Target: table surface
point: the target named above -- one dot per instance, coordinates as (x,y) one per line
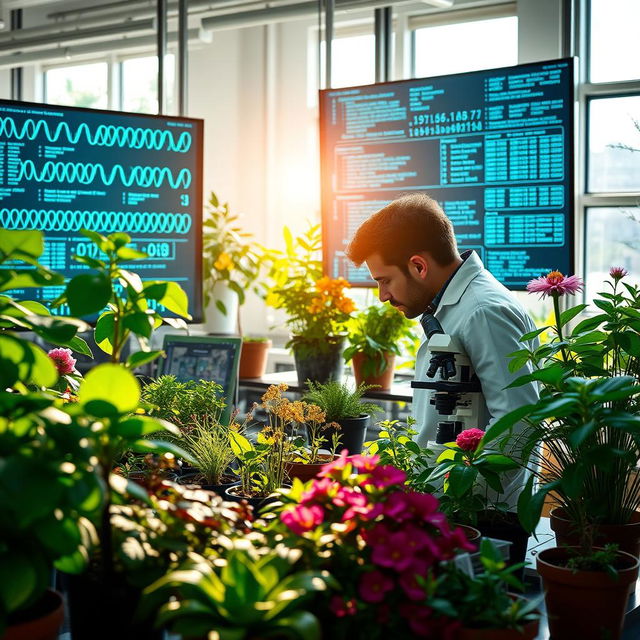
(400,391)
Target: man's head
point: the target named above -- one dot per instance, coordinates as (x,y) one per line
(410,250)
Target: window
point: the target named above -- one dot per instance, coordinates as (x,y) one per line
(352,60)
(139,84)
(610,100)
(84,85)
(465,46)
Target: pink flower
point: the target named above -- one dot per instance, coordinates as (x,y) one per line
(378,536)
(409,582)
(394,555)
(617,273)
(405,505)
(385,476)
(342,607)
(469,439)
(319,490)
(301,518)
(555,284)
(63,360)
(373,586)
(334,469)
(364,464)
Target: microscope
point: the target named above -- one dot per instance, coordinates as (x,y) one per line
(457,390)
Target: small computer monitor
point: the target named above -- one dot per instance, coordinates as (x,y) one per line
(213,358)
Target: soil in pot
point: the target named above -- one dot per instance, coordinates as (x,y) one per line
(42,621)
(529,632)
(353,432)
(626,536)
(589,605)
(259,503)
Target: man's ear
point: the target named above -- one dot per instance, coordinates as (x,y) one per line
(418,266)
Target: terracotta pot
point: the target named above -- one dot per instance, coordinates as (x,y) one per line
(305,471)
(353,432)
(626,536)
(589,605)
(253,358)
(384,380)
(40,622)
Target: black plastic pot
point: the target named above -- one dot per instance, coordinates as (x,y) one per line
(219,489)
(322,365)
(352,433)
(258,503)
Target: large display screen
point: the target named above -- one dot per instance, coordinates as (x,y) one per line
(494,148)
(63,169)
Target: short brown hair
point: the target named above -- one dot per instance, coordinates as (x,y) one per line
(409,225)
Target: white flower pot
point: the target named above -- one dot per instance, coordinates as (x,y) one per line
(214,320)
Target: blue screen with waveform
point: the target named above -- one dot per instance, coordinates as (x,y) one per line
(494,148)
(63,169)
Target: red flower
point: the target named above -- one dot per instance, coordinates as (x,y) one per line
(617,273)
(469,439)
(555,284)
(63,360)
(373,586)
(409,582)
(302,518)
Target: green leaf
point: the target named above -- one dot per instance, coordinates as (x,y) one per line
(239,444)
(24,361)
(139,323)
(129,253)
(221,307)
(461,479)
(533,334)
(103,334)
(503,424)
(21,243)
(79,345)
(588,324)
(18,579)
(111,383)
(138,426)
(530,505)
(570,314)
(88,293)
(170,295)
(105,245)
(162,446)
(139,358)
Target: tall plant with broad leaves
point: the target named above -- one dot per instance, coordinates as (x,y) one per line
(110,394)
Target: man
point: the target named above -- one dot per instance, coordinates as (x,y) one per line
(411,252)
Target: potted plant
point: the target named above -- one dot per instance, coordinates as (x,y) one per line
(378,540)
(316,306)
(344,406)
(231,262)
(468,473)
(249,593)
(374,336)
(253,357)
(481,602)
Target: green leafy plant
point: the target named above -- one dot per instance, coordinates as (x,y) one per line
(374,332)
(395,446)
(482,601)
(131,304)
(471,473)
(316,306)
(249,593)
(229,254)
(186,404)
(339,401)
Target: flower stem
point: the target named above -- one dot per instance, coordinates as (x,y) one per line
(556,309)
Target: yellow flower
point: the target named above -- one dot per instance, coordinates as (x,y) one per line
(223,262)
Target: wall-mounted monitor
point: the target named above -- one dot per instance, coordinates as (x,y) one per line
(494,148)
(63,169)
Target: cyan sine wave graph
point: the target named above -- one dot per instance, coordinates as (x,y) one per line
(87,172)
(106,221)
(104,136)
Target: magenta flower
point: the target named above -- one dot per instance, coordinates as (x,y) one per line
(334,469)
(419,619)
(405,505)
(617,273)
(395,555)
(373,586)
(385,476)
(301,519)
(378,536)
(409,582)
(555,284)
(63,360)
(364,464)
(342,607)
(469,439)
(319,490)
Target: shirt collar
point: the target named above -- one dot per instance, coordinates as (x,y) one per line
(433,306)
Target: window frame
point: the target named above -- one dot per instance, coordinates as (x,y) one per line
(587,91)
